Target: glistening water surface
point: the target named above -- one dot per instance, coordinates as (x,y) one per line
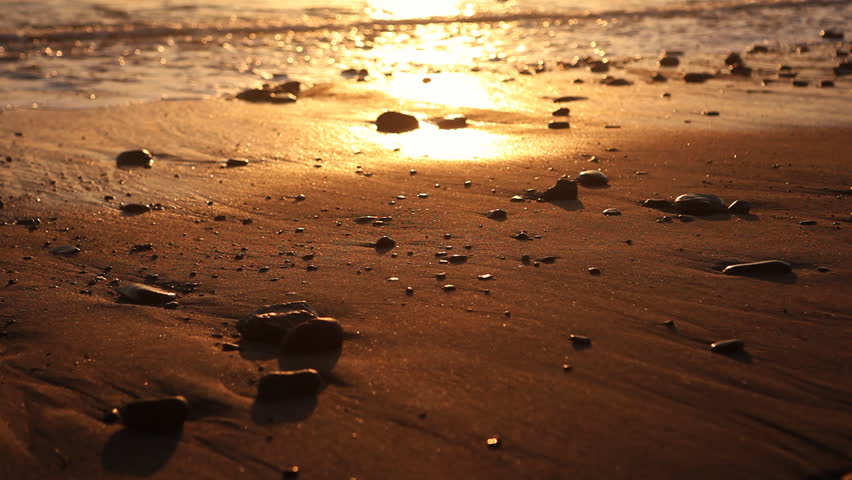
(77,53)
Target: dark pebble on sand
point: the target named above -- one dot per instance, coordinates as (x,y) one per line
(594,271)
(808,222)
(658,203)
(522,236)
(610,212)
(272,323)
(733,59)
(826,84)
(65,250)
(710,113)
(145,294)
(564,189)
(739,207)
(697,77)
(449,287)
(395,122)
(561,112)
(580,340)
(385,243)
(698,204)
(266,95)
(497,214)
(135,158)
(317,335)
(494,442)
(800,83)
(758,268)
(568,99)
(289,384)
(452,122)
(558,125)
(135,208)
(142,247)
(155,416)
(727,346)
(457,259)
(659,78)
(668,60)
(831,35)
(740,70)
(758,49)
(236,162)
(592,178)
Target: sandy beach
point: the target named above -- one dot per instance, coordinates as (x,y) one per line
(427,374)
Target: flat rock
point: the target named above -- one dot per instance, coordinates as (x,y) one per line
(561,112)
(272,323)
(155,416)
(592,178)
(727,346)
(452,122)
(321,334)
(564,189)
(568,99)
(697,77)
(739,207)
(65,250)
(699,204)
(266,95)
(759,268)
(385,243)
(497,214)
(289,384)
(145,294)
(236,162)
(558,125)
(658,203)
(135,208)
(135,158)
(612,212)
(395,122)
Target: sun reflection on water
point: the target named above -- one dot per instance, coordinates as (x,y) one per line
(403,9)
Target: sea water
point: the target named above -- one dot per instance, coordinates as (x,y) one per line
(77,53)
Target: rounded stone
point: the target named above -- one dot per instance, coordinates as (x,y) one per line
(321,334)
(395,122)
(155,416)
(739,207)
(271,323)
(289,384)
(699,204)
(135,158)
(592,178)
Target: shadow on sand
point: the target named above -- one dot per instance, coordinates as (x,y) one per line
(138,453)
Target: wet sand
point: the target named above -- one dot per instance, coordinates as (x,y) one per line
(424,380)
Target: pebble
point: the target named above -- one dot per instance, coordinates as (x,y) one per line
(612,212)
(561,112)
(831,35)
(494,442)
(758,268)
(135,208)
(289,384)
(497,214)
(568,99)
(457,259)
(65,250)
(322,334)
(548,260)
(485,276)
(272,323)
(594,271)
(385,243)
(395,122)
(155,416)
(517,198)
(521,236)
(710,113)
(733,59)
(558,125)
(580,340)
(698,204)
(697,77)
(145,294)
(727,346)
(449,287)
(668,60)
(826,84)
(266,95)
(135,158)
(658,203)
(659,78)
(452,122)
(236,162)
(564,189)
(739,207)
(592,178)
(230,347)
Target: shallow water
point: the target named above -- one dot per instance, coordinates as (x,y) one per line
(63,53)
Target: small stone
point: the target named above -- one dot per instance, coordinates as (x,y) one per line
(592,178)
(517,198)
(497,214)
(266,95)
(272,323)
(135,158)
(236,162)
(494,442)
(155,416)
(468,184)
(385,243)
(145,294)
(395,122)
(697,77)
(758,49)
(523,236)
(291,472)
(733,59)
(568,99)
(441,276)
(322,334)
(457,259)
(449,287)
(727,346)
(485,276)
(831,35)
(409,291)
(699,204)
(710,113)
(740,70)
(548,260)
(230,347)
(739,207)
(566,367)
(283,385)
(558,125)
(659,78)
(142,247)
(759,268)
(657,203)
(561,112)
(612,212)
(668,60)
(826,84)
(580,340)
(135,208)
(594,271)
(452,122)
(66,250)
(823,269)
(565,189)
